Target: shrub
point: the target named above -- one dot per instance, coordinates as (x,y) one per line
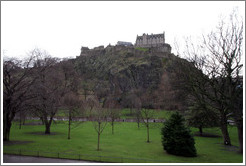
(176,137)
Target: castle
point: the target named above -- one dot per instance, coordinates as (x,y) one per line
(155,42)
(152,40)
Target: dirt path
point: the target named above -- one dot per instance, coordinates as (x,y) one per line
(29,159)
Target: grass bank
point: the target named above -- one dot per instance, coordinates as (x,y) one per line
(127,144)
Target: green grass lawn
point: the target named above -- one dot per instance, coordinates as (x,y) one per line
(158,114)
(128,144)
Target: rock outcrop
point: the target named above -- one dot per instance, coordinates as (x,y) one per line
(121,71)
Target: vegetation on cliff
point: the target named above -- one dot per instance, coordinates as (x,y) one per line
(123,71)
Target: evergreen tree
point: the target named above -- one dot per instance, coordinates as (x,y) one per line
(176,137)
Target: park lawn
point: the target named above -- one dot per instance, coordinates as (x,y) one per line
(127,144)
(125,113)
(158,114)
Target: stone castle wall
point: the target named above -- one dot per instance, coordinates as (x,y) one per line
(155,42)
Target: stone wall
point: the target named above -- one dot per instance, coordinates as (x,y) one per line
(162,48)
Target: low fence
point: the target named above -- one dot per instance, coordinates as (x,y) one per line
(83,119)
(74,156)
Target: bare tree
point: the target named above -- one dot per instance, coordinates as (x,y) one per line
(113,107)
(48,88)
(90,104)
(72,102)
(17,80)
(98,115)
(137,104)
(71,99)
(146,115)
(100,122)
(137,113)
(218,58)
(133,102)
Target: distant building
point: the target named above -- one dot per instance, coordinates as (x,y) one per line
(153,41)
(122,43)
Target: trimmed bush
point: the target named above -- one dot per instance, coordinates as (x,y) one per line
(176,137)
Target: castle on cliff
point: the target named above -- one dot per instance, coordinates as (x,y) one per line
(155,42)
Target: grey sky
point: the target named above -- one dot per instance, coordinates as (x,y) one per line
(63,27)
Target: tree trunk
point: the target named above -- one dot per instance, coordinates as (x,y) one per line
(147,125)
(7,123)
(69,124)
(98,141)
(6,132)
(238,118)
(98,136)
(112,127)
(47,128)
(200,130)
(138,120)
(224,130)
(240,135)
(42,120)
(20,121)
(24,119)
(47,125)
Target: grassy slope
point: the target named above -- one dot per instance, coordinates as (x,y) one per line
(128,142)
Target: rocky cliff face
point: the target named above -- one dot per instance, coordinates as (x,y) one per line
(122,71)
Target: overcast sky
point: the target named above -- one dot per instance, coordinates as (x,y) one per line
(61,28)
